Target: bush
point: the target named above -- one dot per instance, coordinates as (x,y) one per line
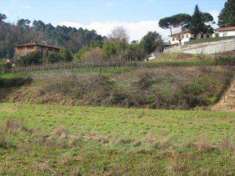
(229,60)
(54,57)
(15,82)
(30,59)
(200,92)
(168,88)
(66,55)
(5,65)
(92,55)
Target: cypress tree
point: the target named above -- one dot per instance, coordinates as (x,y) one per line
(197,24)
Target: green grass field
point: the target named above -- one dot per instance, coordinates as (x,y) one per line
(64,140)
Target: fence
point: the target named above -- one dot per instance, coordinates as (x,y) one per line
(70,66)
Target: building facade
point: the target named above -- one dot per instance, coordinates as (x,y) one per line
(225,32)
(180,38)
(25,49)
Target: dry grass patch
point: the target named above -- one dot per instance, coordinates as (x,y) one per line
(203,144)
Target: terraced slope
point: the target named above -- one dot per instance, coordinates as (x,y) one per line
(227,102)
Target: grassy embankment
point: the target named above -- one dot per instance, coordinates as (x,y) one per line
(64,140)
(173,81)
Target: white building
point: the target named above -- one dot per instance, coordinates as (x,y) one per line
(225,32)
(180,38)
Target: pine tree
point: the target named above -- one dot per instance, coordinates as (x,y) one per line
(197,24)
(227,15)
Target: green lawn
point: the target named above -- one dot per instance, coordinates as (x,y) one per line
(64,140)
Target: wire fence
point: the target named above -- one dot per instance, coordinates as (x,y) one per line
(70,66)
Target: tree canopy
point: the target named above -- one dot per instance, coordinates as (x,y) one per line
(198,22)
(2,17)
(181,19)
(25,31)
(227,15)
(151,41)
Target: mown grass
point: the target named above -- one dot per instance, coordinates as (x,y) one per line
(64,140)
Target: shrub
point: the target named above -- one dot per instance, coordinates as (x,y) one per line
(15,82)
(30,59)
(200,91)
(5,65)
(93,55)
(54,57)
(66,55)
(229,60)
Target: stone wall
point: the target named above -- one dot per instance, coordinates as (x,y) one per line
(205,48)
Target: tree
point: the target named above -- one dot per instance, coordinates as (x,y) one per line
(198,22)
(134,52)
(113,48)
(227,15)
(62,36)
(66,55)
(116,44)
(2,17)
(39,25)
(119,34)
(23,24)
(93,55)
(179,20)
(151,41)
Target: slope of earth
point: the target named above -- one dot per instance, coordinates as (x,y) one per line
(166,87)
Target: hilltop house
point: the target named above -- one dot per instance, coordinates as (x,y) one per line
(25,49)
(180,38)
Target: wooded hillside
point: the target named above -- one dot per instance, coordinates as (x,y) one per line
(37,31)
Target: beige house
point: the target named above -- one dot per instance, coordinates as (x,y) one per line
(180,38)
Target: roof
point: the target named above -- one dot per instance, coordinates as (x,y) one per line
(182,32)
(224,29)
(36,44)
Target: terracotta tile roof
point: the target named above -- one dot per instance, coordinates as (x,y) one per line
(224,29)
(36,44)
(182,32)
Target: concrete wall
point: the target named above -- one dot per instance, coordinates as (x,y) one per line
(227,34)
(205,48)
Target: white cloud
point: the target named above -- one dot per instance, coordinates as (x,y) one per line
(26,7)
(136,30)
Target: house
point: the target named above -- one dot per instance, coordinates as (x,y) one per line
(25,49)
(180,38)
(228,31)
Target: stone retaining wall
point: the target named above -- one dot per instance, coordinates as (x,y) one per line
(205,48)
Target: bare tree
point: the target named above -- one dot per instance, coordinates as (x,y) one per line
(119,33)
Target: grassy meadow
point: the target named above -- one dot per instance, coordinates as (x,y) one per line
(65,140)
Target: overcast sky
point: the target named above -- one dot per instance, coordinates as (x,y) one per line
(136,16)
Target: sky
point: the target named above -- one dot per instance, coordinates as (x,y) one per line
(137,16)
